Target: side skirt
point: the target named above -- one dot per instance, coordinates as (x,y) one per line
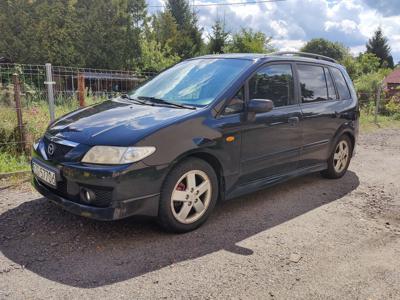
(262,183)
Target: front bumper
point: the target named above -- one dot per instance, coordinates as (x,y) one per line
(120,191)
(146,206)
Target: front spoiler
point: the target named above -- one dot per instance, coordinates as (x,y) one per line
(143,206)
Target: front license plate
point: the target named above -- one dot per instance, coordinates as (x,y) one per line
(45,175)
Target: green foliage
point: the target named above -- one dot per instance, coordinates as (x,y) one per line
(368,83)
(365,63)
(155,58)
(189,41)
(13,163)
(321,46)
(249,41)
(392,107)
(379,46)
(218,38)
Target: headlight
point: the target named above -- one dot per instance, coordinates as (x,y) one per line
(109,155)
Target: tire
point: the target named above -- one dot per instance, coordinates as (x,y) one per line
(188,196)
(340,158)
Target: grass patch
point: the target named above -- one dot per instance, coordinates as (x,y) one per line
(13,163)
(367,122)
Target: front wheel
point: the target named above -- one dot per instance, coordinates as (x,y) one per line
(188,196)
(339,160)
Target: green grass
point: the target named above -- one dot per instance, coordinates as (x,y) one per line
(367,122)
(13,163)
(36,118)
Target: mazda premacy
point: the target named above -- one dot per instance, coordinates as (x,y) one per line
(208,129)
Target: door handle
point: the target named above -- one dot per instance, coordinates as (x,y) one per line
(293,121)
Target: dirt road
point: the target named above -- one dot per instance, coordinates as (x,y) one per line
(310,238)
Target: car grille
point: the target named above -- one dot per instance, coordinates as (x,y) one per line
(60,150)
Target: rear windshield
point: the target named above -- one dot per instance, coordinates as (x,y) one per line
(193,82)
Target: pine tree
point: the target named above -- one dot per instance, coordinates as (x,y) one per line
(190,41)
(136,17)
(218,37)
(379,46)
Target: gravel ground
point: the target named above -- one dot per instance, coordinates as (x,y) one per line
(310,238)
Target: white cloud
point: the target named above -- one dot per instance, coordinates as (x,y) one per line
(293,22)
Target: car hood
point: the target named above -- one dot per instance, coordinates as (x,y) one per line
(115,122)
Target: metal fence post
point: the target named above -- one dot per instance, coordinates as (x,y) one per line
(378,100)
(18,108)
(50,91)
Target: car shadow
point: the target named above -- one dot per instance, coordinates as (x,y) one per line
(85,253)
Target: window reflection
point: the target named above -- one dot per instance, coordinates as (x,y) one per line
(195,82)
(312,83)
(275,83)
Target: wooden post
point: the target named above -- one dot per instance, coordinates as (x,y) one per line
(81,89)
(18,108)
(378,101)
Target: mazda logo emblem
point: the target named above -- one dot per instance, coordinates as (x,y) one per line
(51,148)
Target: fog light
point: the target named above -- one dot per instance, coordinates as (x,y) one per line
(87,195)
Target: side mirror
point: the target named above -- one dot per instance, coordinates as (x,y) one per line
(260,105)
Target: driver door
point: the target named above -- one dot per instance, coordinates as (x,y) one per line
(271,141)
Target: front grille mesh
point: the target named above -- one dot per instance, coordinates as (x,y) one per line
(59,150)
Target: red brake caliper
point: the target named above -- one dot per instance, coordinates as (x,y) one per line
(181,187)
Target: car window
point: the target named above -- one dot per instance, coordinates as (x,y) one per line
(275,83)
(341,84)
(195,82)
(312,82)
(329,83)
(236,105)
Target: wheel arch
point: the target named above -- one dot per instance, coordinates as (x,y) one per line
(212,160)
(349,132)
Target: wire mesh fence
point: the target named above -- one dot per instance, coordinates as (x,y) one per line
(24,101)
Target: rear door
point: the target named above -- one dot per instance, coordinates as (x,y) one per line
(271,141)
(321,109)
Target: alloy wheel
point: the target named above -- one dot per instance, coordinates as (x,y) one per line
(341,156)
(191,196)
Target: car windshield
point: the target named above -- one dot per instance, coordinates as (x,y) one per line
(193,82)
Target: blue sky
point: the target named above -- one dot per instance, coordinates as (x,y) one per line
(293,22)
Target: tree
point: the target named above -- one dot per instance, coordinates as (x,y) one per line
(379,46)
(165,29)
(190,42)
(56,32)
(16,22)
(156,58)
(249,41)
(136,15)
(324,47)
(218,38)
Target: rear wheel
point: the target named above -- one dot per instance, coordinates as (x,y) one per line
(339,160)
(188,196)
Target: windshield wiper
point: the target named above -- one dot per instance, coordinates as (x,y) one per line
(126,96)
(162,101)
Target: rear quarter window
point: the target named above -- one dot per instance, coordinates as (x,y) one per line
(341,85)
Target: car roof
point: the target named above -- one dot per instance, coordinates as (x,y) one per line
(261,57)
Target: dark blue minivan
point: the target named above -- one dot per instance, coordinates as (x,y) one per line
(207,129)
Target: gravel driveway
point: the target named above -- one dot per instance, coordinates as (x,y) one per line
(309,238)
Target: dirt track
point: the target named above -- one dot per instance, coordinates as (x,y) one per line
(310,238)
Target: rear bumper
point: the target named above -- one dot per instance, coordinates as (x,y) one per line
(145,205)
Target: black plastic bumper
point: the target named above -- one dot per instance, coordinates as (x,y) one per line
(145,206)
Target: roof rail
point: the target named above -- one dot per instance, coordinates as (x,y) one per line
(305,54)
